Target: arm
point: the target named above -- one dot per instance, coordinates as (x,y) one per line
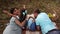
(38,28)
(38,24)
(19,23)
(6,12)
(9,14)
(55,25)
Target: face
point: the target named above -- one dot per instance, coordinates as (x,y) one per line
(35,15)
(16,11)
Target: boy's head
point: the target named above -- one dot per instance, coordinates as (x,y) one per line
(36,12)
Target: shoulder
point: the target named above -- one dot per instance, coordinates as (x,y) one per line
(43,13)
(13,18)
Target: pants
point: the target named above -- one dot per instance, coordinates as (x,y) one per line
(54,32)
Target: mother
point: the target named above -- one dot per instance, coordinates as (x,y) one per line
(15,25)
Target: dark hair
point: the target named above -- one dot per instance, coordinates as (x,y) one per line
(23,16)
(37,11)
(12,10)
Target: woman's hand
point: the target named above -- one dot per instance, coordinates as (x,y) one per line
(5,11)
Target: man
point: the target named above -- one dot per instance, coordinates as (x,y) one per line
(43,21)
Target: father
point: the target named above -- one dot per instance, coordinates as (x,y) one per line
(43,21)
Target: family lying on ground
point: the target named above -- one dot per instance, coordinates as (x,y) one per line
(38,20)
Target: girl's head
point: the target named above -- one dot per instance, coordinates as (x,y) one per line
(22,14)
(14,11)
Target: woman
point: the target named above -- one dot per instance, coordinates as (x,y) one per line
(15,25)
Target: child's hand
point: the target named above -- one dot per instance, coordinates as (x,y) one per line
(24,6)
